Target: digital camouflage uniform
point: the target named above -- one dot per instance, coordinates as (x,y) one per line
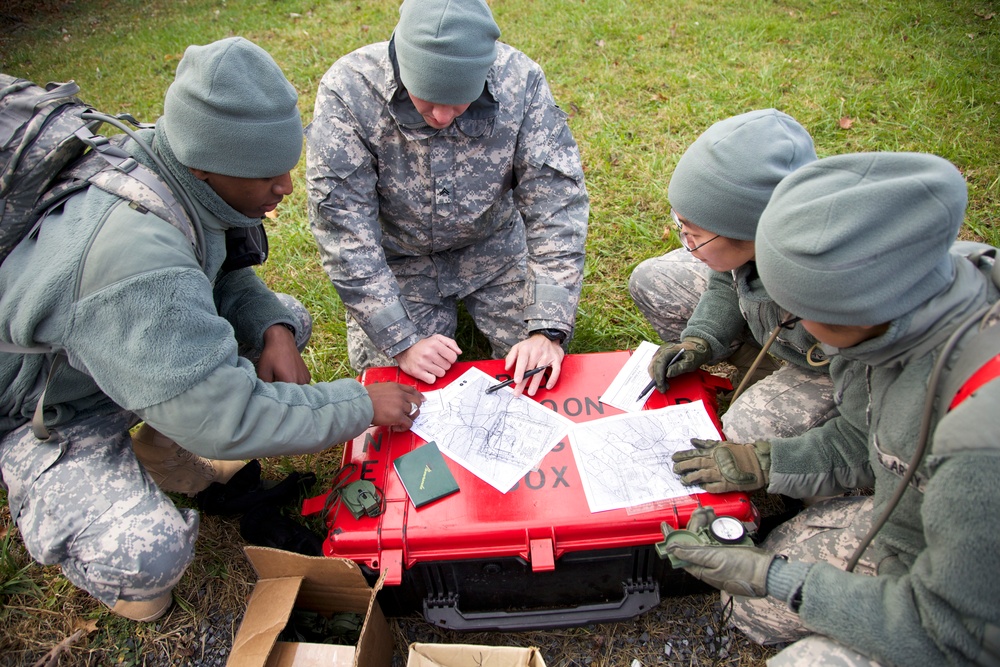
(681,296)
(666,290)
(491,210)
(816,650)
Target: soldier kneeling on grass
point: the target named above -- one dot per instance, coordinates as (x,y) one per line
(145,333)
(861,248)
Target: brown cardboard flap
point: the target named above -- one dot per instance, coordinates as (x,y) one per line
(471,655)
(302,654)
(330,584)
(266,616)
(323,585)
(374,639)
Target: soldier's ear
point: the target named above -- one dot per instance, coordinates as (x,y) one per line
(200,174)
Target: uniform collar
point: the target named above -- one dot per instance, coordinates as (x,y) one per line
(477,120)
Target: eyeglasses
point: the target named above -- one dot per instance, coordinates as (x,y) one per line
(683,237)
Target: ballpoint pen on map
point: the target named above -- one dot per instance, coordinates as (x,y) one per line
(652,383)
(507,383)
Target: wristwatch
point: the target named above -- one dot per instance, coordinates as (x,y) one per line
(552,334)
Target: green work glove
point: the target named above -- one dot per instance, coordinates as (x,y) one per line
(693,353)
(700,518)
(719,467)
(736,570)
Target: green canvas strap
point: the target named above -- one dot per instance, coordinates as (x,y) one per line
(38,419)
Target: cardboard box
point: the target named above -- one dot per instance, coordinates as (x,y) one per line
(470,655)
(325,585)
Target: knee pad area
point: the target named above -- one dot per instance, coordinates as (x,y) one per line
(134,556)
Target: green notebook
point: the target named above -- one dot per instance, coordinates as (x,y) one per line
(425,474)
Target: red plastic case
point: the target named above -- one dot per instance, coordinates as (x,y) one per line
(535,557)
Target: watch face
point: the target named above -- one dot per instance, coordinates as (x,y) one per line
(727,530)
(552,334)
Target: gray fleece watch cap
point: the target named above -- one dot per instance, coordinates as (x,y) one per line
(231,111)
(725,178)
(861,239)
(445,49)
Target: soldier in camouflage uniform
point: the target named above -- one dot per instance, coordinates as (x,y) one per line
(141,330)
(440,170)
(706,300)
(861,247)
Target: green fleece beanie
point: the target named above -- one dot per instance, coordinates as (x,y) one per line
(445,49)
(725,178)
(231,111)
(861,239)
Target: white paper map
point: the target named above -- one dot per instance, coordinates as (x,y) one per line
(624,460)
(624,390)
(498,437)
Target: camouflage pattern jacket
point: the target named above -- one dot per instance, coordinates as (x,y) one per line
(146,329)
(388,194)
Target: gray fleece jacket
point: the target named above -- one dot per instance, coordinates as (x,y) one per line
(936,599)
(736,302)
(146,329)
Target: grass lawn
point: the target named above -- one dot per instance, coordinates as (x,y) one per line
(640,80)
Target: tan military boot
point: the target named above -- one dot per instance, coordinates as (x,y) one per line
(175,469)
(146,610)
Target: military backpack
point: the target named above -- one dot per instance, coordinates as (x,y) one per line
(49,150)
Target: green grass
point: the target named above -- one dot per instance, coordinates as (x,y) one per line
(15,575)
(640,80)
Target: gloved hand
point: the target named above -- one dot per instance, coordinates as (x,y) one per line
(736,570)
(693,353)
(719,467)
(700,518)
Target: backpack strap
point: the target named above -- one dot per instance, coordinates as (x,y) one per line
(989,371)
(164,173)
(128,179)
(108,167)
(18,349)
(977,364)
(38,427)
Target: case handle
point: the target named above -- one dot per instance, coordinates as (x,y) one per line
(631,605)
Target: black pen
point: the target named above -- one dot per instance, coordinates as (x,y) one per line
(652,383)
(507,383)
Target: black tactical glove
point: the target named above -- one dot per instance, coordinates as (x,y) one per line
(693,352)
(245,490)
(258,501)
(265,526)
